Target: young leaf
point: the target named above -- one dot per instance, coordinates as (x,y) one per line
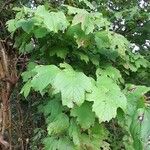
(84,114)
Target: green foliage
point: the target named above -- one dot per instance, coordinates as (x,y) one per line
(140,128)
(84,114)
(59,125)
(107,97)
(82,71)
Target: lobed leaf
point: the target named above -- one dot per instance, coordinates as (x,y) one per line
(84,114)
(107,97)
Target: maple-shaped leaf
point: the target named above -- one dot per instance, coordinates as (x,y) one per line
(51,109)
(119,42)
(55,143)
(73,86)
(85,19)
(53,21)
(111,44)
(107,97)
(45,76)
(111,72)
(93,143)
(84,114)
(59,124)
(99,130)
(103,44)
(75,32)
(102,40)
(56,21)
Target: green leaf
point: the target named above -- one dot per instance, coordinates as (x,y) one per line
(102,39)
(51,109)
(90,21)
(73,86)
(107,97)
(135,96)
(65,144)
(86,21)
(84,114)
(56,21)
(110,42)
(26,89)
(119,42)
(103,44)
(11,25)
(140,129)
(82,56)
(58,125)
(88,4)
(31,65)
(95,60)
(74,132)
(45,76)
(26,48)
(110,72)
(26,25)
(128,142)
(59,51)
(40,32)
(90,142)
(41,11)
(53,143)
(99,131)
(98,134)
(74,10)
(100,21)
(75,32)
(27,75)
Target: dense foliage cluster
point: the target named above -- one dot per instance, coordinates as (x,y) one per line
(84,69)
